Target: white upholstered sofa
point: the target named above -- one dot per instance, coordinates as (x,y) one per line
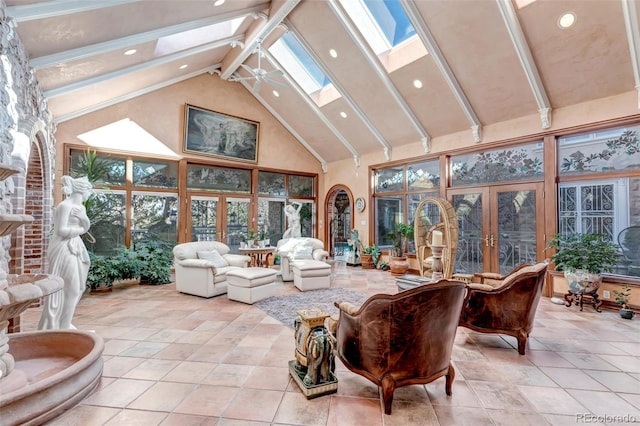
(297,250)
(201,267)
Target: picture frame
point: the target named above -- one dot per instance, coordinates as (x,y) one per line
(220,135)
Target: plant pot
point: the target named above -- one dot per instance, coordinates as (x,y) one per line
(627,313)
(581,281)
(398,265)
(367,261)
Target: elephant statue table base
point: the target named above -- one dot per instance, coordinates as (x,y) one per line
(314,367)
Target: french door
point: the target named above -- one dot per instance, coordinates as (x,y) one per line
(221,218)
(501,227)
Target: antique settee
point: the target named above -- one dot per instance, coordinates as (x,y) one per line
(507,306)
(401,339)
(201,267)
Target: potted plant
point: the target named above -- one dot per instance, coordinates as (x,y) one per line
(262,237)
(157,258)
(102,273)
(400,235)
(583,258)
(383,265)
(369,256)
(252,238)
(622,299)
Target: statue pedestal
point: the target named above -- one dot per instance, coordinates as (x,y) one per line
(310,392)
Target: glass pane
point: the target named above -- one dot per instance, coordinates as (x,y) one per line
(388,213)
(237,222)
(340,226)
(105,169)
(300,186)
(307,219)
(429,215)
(271,218)
(220,179)
(412,202)
(388,180)
(393,22)
(468,209)
(155,174)
(154,217)
(423,176)
(617,149)
(271,183)
(516,229)
(107,213)
(511,164)
(204,219)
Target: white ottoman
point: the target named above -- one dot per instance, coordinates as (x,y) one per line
(248,285)
(311,274)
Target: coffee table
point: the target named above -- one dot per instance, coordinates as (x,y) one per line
(407,282)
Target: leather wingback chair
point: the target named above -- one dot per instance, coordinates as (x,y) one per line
(402,339)
(507,306)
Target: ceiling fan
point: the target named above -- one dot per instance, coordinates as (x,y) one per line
(259,74)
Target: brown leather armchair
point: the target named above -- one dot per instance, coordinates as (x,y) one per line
(507,307)
(402,339)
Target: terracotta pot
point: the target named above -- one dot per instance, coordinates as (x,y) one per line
(398,265)
(367,261)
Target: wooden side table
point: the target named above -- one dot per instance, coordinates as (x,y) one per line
(259,255)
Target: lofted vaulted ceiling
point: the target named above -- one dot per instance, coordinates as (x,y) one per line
(480,62)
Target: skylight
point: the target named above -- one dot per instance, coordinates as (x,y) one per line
(295,59)
(196,37)
(383,23)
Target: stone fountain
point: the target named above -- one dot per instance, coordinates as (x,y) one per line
(42,373)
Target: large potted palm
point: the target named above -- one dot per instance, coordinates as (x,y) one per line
(398,263)
(583,258)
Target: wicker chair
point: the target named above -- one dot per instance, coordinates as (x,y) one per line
(423,227)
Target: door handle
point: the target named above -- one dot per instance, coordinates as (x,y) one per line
(492,241)
(486,240)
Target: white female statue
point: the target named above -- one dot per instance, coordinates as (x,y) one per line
(68,257)
(293,218)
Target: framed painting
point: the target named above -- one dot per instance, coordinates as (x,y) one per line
(220,135)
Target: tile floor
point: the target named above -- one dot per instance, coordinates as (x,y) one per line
(175,359)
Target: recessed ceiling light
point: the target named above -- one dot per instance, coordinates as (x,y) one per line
(417,84)
(276,94)
(567,20)
(343,114)
(219,2)
(130,52)
(183,66)
(333,53)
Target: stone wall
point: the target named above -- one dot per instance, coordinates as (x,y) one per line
(27,144)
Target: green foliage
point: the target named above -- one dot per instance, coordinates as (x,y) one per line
(400,235)
(102,272)
(623,296)
(94,168)
(591,252)
(262,235)
(157,257)
(383,265)
(374,251)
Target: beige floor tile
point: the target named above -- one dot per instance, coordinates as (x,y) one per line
(175,419)
(177,351)
(510,418)
(116,346)
(144,349)
(296,409)
(356,411)
(85,415)
(461,394)
(275,378)
(551,400)
(500,396)
(228,375)
(616,381)
(118,366)
(137,418)
(462,416)
(190,372)
(264,405)
(120,393)
(207,400)
(162,396)
(604,403)
(152,369)
(572,378)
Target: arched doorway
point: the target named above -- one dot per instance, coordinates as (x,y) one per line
(339,220)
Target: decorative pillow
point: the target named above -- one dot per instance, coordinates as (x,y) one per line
(214,257)
(303,251)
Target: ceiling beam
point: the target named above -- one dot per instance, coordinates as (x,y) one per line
(341,89)
(526,60)
(136,39)
(307,99)
(432,47)
(83,84)
(131,95)
(249,48)
(287,126)
(49,9)
(376,65)
(633,38)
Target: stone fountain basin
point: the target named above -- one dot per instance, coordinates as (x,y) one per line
(54,371)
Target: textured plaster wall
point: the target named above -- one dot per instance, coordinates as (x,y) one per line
(25,125)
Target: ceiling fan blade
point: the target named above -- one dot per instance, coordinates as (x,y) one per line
(276,83)
(248,68)
(274,73)
(243,78)
(256,87)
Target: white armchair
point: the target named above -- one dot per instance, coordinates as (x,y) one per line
(202,266)
(296,250)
